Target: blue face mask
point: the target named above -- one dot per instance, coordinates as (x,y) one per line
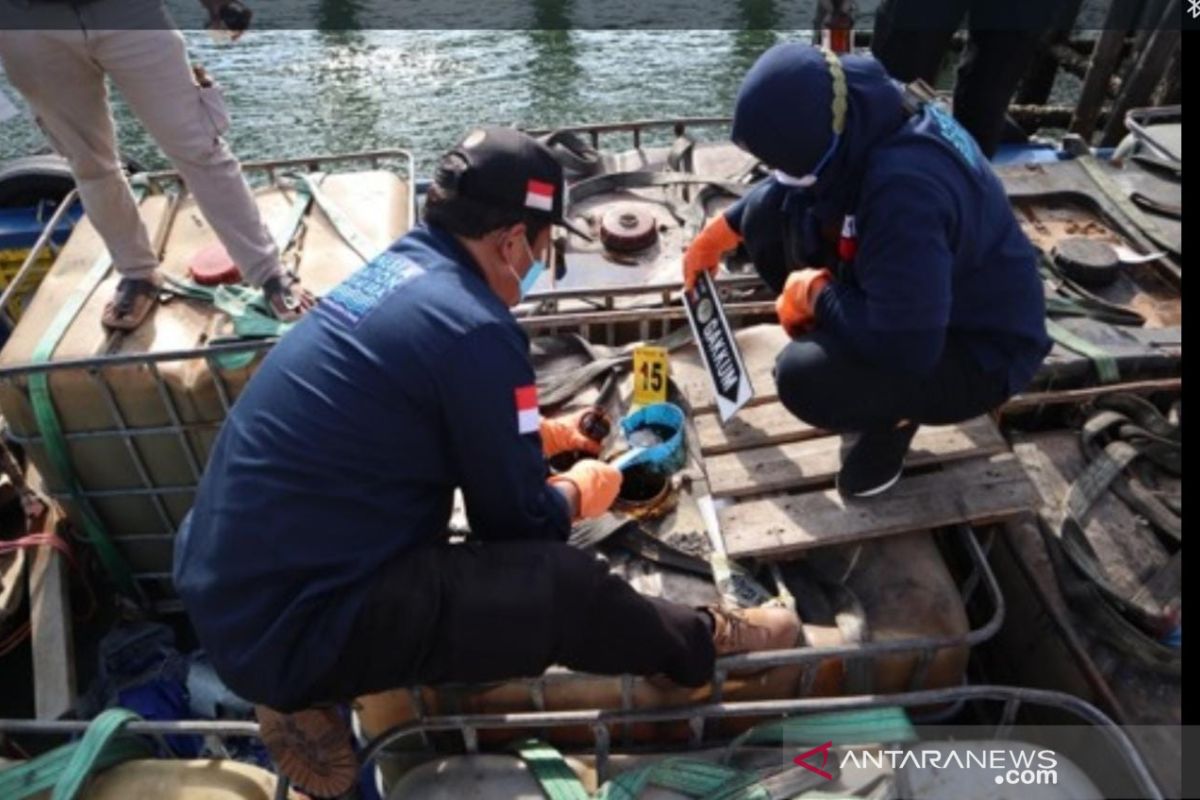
(536,268)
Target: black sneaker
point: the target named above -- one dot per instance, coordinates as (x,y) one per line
(875,462)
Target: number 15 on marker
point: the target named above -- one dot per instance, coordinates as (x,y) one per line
(649,375)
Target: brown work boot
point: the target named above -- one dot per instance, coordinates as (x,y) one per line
(742,630)
(311,747)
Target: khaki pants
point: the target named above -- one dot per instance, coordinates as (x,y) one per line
(57,56)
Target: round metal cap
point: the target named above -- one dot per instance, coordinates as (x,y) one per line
(628,229)
(1090,262)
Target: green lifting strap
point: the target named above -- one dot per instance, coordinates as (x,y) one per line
(705,780)
(341,224)
(51,431)
(694,778)
(866,726)
(553,774)
(1072,307)
(286,232)
(246,307)
(1106,365)
(66,768)
(95,741)
(688,776)
(1076,301)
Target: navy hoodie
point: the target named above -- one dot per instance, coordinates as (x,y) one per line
(344,451)
(936,248)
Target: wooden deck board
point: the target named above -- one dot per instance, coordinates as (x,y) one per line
(975,491)
(51,631)
(756,426)
(815,462)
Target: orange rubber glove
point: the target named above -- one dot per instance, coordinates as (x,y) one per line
(796,306)
(705,251)
(562,434)
(597,483)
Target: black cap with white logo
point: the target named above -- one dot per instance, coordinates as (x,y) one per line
(507,168)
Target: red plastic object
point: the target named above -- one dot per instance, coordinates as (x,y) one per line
(212,266)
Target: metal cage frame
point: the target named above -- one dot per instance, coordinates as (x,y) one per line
(468,726)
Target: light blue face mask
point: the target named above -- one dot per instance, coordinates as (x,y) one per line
(536,268)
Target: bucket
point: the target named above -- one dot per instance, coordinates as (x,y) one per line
(655,432)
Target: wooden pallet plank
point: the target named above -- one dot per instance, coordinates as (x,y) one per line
(50,632)
(975,491)
(817,461)
(1035,400)
(756,426)
(771,423)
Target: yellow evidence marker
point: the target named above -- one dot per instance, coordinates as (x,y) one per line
(650,371)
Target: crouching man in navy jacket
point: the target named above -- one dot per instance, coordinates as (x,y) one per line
(910,292)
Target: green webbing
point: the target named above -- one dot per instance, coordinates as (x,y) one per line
(553,774)
(53,439)
(868,726)
(286,231)
(1072,307)
(1106,365)
(344,227)
(66,768)
(1076,301)
(706,780)
(247,308)
(690,777)
(82,763)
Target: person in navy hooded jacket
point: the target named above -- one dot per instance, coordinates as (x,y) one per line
(910,292)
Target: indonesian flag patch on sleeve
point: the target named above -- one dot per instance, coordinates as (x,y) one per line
(528,418)
(539,195)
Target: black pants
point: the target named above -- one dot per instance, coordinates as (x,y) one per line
(822,381)
(825,384)
(488,612)
(912,36)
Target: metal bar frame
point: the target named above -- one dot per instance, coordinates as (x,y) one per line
(1136,120)
(468,725)
(35,252)
(925,648)
(635,127)
(374,158)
